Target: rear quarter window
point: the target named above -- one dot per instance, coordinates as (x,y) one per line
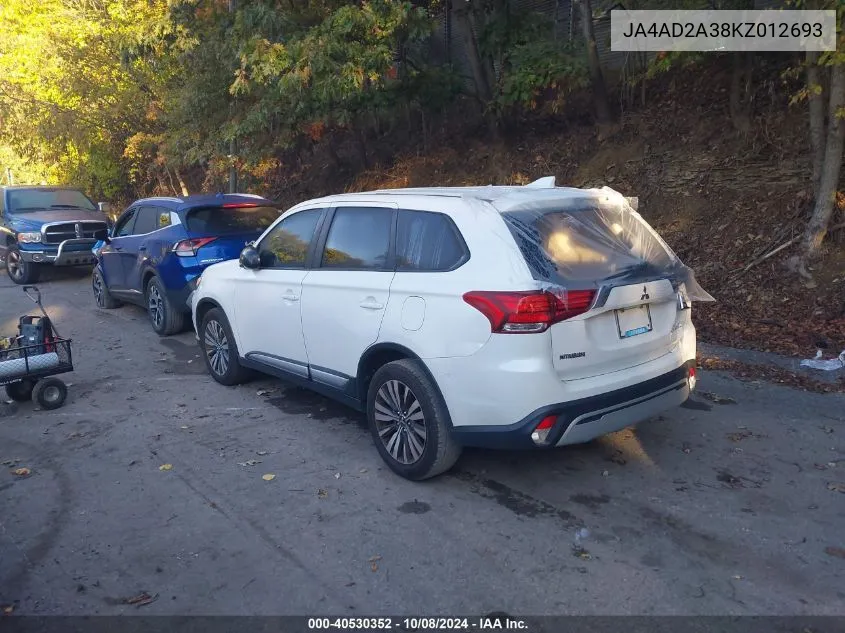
(428,241)
(231,220)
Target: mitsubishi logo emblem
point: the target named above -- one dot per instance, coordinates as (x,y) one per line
(78,228)
(645,296)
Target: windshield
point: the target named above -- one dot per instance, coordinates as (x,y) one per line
(28,200)
(230,220)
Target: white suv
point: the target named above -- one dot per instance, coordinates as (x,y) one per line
(512,317)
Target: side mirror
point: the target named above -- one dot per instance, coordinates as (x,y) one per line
(104,207)
(250,258)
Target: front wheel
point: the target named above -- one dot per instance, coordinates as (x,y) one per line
(220,350)
(165,319)
(20,391)
(20,271)
(102,295)
(409,421)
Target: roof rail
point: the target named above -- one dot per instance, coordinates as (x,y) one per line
(543,183)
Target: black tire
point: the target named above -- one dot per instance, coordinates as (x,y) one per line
(440,450)
(220,350)
(164,318)
(102,296)
(20,391)
(50,393)
(19,271)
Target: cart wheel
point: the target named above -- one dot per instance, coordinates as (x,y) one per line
(20,391)
(50,393)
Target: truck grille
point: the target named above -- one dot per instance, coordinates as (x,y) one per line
(58,233)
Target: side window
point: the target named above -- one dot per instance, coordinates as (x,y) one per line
(147,221)
(358,238)
(286,245)
(124,224)
(164,218)
(427,241)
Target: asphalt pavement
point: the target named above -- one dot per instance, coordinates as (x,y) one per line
(150,493)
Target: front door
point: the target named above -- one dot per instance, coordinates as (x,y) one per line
(267,300)
(345,296)
(111,255)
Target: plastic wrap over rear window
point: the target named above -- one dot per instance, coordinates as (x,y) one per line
(230,220)
(594,241)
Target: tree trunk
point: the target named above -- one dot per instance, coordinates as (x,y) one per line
(464,27)
(603,113)
(741,91)
(817,226)
(182,185)
(817,122)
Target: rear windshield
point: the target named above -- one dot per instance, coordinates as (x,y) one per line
(27,200)
(589,243)
(227,220)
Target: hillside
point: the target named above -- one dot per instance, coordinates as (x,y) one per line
(720,198)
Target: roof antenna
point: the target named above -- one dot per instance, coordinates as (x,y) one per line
(543,183)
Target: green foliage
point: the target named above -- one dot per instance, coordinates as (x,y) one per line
(534,67)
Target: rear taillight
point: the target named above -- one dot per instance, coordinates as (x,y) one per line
(189,248)
(528,312)
(691,378)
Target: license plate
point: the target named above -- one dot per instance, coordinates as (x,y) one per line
(633,321)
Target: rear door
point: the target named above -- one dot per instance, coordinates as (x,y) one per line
(344,297)
(605,266)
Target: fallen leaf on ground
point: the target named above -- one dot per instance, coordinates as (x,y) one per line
(738,436)
(22,472)
(737,577)
(322,494)
(835,551)
(260,452)
(184,426)
(374,567)
(166,467)
(362,471)
(337,475)
(265,392)
(605,473)
(8,609)
(141,599)
(249,462)
(374,559)
(268,477)
(836,487)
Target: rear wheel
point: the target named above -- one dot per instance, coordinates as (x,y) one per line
(409,421)
(50,393)
(165,319)
(220,351)
(102,295)
(20,271)
(20,391)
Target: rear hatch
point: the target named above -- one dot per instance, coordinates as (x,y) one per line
(608,254)
(218,233)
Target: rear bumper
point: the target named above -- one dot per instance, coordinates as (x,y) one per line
(63,255)
(582,420)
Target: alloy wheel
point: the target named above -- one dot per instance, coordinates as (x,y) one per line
(216,347)
(155,304)
(14,265)
(97,284)
(400,422)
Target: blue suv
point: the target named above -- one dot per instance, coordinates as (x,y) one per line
(160,246)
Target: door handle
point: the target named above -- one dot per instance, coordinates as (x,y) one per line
(371,304)
(290,296)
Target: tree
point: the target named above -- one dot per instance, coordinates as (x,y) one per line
(602,104)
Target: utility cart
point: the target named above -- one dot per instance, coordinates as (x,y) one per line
(31,360)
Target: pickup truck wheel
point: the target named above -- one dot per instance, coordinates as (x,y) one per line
(102,295)
(19,271)
(165,319)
